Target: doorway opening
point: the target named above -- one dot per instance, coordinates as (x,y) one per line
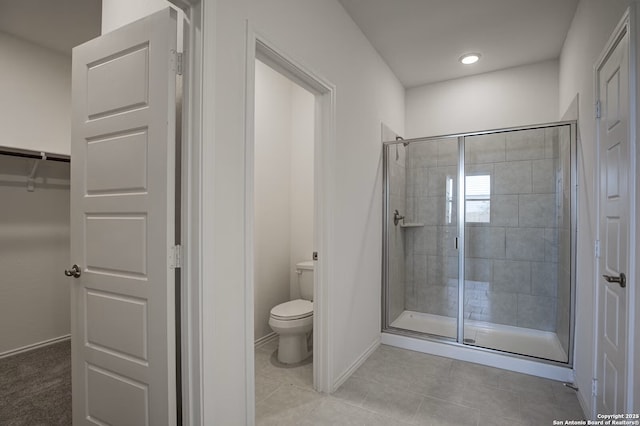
(283,228)
(305,217)
(35,328)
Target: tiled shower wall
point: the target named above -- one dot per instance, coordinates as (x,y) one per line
(511,269)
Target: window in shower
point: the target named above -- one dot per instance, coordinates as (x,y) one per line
(477,198)
(449,200)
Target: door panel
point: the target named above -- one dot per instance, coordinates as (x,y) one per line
(613,134)
(104,237)
(105,95)
(122,225)
(125,313)
(611,326)
(613,168)
(127,401)
(126,153)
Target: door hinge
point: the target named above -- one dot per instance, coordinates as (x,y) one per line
(179,58)
(594,387)
(596,249)
(598,106)
(175,257)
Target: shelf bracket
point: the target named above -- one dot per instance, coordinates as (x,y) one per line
(31,179)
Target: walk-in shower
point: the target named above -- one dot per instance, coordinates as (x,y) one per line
(483,254)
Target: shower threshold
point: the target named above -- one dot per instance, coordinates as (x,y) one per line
(519,340)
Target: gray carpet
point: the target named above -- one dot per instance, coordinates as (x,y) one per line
(35,387)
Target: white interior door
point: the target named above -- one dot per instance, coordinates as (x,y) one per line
(122,225)
(613,128)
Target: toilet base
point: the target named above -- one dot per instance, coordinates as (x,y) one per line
(293,349)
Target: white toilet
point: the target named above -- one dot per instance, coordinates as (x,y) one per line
(293,320)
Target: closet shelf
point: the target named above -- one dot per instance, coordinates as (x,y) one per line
(37,155)
(411,225)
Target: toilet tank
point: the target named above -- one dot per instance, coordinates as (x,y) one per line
(305,279)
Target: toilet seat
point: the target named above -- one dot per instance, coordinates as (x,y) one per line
(292,310)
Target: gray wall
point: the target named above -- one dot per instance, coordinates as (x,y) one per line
(461,105)
(34,252)
(35,111)
(511,266)
(591,27)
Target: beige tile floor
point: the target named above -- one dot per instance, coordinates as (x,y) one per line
(400,387)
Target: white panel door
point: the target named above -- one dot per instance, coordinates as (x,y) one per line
(122,225)
(613,86)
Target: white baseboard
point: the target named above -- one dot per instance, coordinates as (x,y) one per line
(34,346)
(258,343)
(349,371)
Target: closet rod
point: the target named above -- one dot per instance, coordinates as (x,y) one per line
(25,153)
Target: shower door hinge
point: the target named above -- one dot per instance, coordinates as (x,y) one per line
(594,387)
(598,114)
(596,249)
(175,257)
(179,58)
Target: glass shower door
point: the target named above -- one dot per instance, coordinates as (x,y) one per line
(514,200)
(422,255)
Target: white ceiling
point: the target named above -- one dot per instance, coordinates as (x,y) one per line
(421,40)
(55,24)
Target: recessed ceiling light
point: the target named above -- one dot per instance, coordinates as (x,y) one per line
(469,58)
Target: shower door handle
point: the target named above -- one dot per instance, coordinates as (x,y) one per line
(622,279)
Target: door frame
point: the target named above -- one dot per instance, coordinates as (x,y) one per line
(199,100)
(191,343)
(627,23)
(258,47)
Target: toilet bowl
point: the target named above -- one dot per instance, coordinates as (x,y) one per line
(293,321)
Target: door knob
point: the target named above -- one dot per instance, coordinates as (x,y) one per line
(622,279)
(73,272)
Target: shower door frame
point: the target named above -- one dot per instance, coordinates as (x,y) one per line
(459,341)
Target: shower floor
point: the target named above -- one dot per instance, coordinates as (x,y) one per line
(525,341)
